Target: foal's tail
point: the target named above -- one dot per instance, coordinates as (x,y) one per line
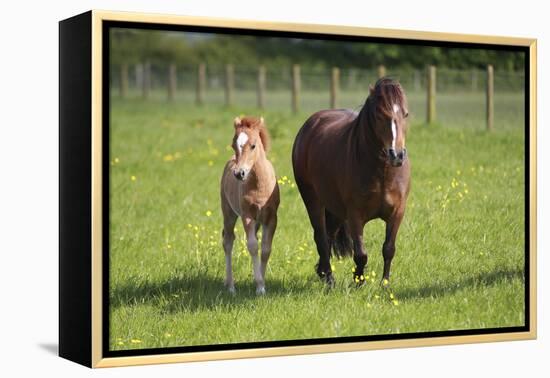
(342,245)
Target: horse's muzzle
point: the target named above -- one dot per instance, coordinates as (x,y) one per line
(240,174)
(397,158)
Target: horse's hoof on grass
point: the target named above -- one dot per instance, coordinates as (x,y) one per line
(359,280)
(260,291)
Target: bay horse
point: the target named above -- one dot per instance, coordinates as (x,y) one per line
(249,190)
(352,167)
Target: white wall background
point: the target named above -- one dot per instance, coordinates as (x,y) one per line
(29,189)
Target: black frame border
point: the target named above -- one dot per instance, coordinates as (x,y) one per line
(107,25)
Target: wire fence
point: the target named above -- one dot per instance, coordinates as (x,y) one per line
(461,96)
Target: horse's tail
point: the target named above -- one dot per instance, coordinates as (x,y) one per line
(342,244)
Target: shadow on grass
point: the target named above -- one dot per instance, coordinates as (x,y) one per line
(197,293)
(479,280)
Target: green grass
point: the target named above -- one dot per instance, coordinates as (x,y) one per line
(460,251)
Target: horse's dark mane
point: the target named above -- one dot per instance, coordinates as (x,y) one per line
(386,93)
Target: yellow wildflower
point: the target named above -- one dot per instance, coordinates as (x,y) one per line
(208,213)
(133,178)
(135,341)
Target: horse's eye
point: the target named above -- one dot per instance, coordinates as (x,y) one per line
(253,146)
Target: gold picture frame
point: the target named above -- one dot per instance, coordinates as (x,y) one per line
(75,271)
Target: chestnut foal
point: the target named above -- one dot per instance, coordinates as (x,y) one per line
(249,190)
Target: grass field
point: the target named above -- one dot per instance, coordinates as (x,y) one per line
(460,251)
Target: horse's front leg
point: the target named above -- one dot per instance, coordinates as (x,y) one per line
(252,245)
(360,256)
(268,230)
(388,249)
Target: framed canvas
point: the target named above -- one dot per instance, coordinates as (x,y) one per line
(234,189)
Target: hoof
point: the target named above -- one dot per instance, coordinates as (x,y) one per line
(359,279)
(260,291)
(231,290)
(327,277)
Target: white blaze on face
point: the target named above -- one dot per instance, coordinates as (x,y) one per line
(393,133)
(241,141)
(394,126)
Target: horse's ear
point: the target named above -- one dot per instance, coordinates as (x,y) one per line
(262,121)
(371,90)
(237,122)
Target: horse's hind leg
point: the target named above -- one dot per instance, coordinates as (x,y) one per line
(228,234)
(252,245)
(388,249)
(316,214)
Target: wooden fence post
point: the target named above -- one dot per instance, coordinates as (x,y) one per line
(229,84)
(334,87)
(430,113)
(146,80)
(296,84)
(381,71)
(123,80)
(490,98)
(261,87)
(172,82)
(201,84)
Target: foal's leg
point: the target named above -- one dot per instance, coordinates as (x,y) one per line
(360,256)
(252,245)
(228,234)
(388,249)
(268,230)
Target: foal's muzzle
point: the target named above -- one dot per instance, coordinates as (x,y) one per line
(397,158)
(240,174)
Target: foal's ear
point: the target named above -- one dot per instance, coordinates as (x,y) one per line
(262,121)
(237,122)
